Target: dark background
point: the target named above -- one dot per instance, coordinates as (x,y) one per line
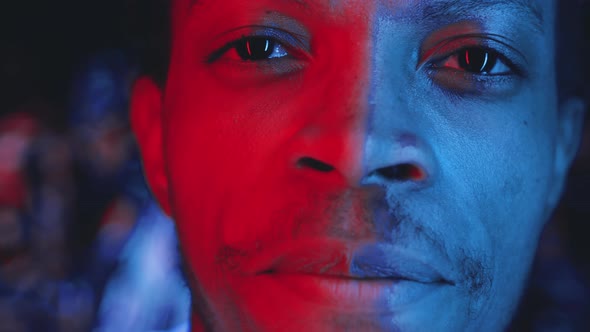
(43,42)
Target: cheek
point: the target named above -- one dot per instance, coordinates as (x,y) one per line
(229,148)
(221,146)
(519,172)
(498,160)
(222,135)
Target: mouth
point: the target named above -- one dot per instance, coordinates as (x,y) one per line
(334,273)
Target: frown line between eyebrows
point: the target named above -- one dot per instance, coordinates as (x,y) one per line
(439,9)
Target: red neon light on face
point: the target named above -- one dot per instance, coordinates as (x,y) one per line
(273,140)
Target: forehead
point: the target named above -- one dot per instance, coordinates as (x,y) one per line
(531,10)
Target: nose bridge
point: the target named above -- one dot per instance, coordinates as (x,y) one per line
(362,127)
(394,148)
(335,132)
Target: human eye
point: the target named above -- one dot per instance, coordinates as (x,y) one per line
(476,60)
(255,50)
(475,64)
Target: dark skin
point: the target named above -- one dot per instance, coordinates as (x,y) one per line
(358,165)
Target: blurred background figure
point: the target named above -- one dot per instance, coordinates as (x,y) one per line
(82,245)
(133,268)
(148,292)
(108,184)
(19,274)
(34,203)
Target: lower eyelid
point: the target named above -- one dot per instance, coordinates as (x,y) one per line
(463,84)
(242,72)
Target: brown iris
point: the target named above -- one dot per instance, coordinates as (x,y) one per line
(477,60)
(255,48)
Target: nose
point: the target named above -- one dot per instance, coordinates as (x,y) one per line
(328,153)
(372,140)
(379,146)
(373,137)
(396,156)
(402,172)
(385,161)
(366,127)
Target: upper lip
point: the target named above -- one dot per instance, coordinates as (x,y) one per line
(333,258)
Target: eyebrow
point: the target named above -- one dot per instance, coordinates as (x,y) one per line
(441,9)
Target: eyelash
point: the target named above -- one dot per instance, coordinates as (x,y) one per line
(460,60)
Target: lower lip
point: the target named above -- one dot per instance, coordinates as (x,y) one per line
(353,293)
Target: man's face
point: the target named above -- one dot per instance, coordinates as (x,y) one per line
(357,165)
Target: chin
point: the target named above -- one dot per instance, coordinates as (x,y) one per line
(261,304)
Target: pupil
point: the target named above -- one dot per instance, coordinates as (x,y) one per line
(476,60)
(255,48)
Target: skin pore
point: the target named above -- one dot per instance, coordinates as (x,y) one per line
(357,165)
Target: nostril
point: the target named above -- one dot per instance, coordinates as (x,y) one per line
(402,172)
(314,164)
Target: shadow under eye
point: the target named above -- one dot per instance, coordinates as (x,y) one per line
(463,84)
